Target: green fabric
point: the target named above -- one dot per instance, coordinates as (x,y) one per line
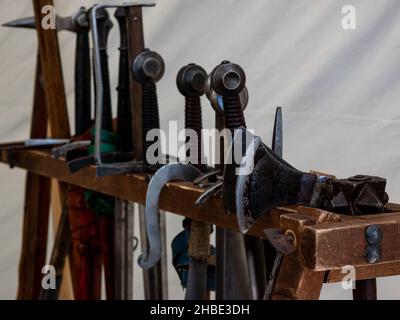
(108,143)
(101,203)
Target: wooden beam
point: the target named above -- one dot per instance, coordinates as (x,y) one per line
(295,282)
(133,187)
(367,272)
(333,245)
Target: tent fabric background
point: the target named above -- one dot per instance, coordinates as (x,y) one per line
(339,90)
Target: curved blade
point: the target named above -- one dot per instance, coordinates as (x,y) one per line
(170,172)
(28,23)
(245,221)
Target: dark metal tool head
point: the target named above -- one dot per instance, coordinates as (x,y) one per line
(104,25)
(216,100)
(228,78)
(190,80)
(75,23)
(277,138)
(148,66)
(267,182)
(28,23)
(283,243)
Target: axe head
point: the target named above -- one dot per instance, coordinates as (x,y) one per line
(264,181)
(75,23)
(28,23)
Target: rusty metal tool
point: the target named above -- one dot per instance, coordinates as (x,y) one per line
(148,68)
(190,82)
(79,24)
(124,210)
(283,245)
(228,80)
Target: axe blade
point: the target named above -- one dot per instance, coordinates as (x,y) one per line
(271,183)
(28,23)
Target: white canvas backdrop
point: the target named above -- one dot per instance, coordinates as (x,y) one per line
(339,90)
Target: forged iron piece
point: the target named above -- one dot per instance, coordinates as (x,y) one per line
(283,245)
(277,137)
(228,80)
(102,167)
(123,249)
(124,137)
(75,23)
(190,82)
(62,151)
(33,143)
(207,176)
(152,278)
(169,172)
(217,101)
(148,68)
(273,182)
(209,192)
(79,24)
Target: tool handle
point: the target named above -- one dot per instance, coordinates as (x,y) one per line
(107,108)
(124,115)
(82,83)
(151,118)
(194,121)
(234,117)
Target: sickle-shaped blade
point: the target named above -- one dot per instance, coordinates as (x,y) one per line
(28,23)
(272,182)
(170,172)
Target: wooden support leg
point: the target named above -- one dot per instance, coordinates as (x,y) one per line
(36,209)
(297,283)
(365,290)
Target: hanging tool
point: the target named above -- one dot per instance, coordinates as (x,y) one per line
(148,68)
(124,210)
(190,82)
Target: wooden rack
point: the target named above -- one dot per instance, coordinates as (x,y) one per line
(325,241)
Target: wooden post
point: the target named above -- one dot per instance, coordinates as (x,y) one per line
(36,208)
(49,104)
(135,46)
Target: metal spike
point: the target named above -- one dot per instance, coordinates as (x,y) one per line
(277,138)
(28,23)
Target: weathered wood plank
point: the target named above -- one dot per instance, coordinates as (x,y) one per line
(367,272)
(136,45)
(36,208)
(133,187)
(333,245)
(295,282)
(52,77)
